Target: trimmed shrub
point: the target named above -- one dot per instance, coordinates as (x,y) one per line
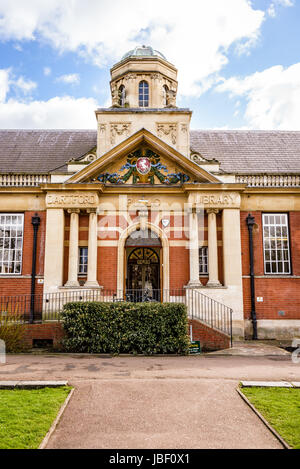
(139,328)
(12,332)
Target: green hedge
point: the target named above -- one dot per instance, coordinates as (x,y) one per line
(144,328)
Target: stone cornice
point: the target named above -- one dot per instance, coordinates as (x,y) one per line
(128,110)
(97,187)
(142,188)
(272,190)
(141,59)
(188,187)
(20,190)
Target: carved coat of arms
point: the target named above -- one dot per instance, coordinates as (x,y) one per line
(144,167)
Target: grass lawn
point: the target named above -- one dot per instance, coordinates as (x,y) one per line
(281,408)
(26,415)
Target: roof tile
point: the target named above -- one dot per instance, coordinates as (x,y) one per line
(43,151)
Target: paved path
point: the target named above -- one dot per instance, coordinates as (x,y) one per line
(171,402)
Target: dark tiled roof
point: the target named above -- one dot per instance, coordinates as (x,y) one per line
(250,151)
(42,151)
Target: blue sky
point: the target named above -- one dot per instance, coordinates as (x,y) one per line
(238,61)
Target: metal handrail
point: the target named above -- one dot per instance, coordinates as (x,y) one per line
(47,307)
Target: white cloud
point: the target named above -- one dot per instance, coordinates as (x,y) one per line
(57,113)
(26,86)
(285,3)
(272,10)
(18,47)
(194,36)
(8,81)
(273,97)
(47,71)
(70,79)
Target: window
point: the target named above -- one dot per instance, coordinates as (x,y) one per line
(143,94)
(11,242)
(203,260)
(122,95)
(166,95)
(83,261)
(276,243)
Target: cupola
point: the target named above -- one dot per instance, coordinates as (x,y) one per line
(144,79)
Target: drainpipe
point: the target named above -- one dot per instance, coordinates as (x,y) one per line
(35,221)
(251,222)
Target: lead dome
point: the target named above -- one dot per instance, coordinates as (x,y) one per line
(143,51)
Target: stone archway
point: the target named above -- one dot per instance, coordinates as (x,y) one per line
(165,280)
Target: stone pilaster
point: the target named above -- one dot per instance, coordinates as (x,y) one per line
(73,249)
(92,250)
(232,247)
(54,249)
(213,248)
(194,249)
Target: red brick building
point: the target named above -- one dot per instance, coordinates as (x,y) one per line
(144,204)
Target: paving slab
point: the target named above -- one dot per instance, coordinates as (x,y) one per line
(266,384)
(296,384)
(253,349)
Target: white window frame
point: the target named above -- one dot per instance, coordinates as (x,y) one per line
(79,257)
(203,255)
(276,244)
(11,251)
(144,98)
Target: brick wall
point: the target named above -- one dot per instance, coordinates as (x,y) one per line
(107,267)
(21,285)
(281,294)
(48,331)
(210,338)
(179,267)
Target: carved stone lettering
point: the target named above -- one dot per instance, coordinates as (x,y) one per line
(219,200)
(71,200)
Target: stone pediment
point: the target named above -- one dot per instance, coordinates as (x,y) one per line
(143,158)
(144,166)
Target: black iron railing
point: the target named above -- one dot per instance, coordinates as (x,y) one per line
(47,307)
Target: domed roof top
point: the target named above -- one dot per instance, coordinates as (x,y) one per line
(143,51)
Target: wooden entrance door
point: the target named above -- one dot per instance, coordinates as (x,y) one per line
(143,273)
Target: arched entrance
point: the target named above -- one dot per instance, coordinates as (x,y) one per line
(143,265)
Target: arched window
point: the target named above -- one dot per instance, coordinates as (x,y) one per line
(143,94)
(122,95)
(166,95)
